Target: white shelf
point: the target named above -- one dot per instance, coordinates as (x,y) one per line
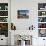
(3,16)
(3,22)
(3,10)
(41,28)
(42,16)
(41,22)
(41,10)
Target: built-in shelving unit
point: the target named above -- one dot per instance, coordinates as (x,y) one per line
(4,19)
(42,19)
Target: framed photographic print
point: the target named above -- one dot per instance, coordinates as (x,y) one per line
(22,14)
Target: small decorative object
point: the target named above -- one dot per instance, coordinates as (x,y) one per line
(3,13)
(13,27)
(3,19)
(42,25)
(6,7)
(39,19)
(43,39)
(0,7)
(4,29)
(41,8)
(42,19)
(31,27)
(23,14)
(42,32)
(43,13)
(45,7)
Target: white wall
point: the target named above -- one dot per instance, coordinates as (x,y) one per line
(32,6)
(23,24)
